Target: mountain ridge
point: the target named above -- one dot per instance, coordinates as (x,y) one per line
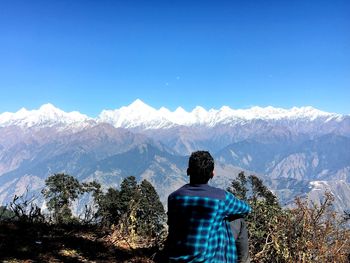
(139,114)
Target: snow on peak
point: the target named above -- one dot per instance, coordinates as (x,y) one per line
(46,115)
(49,107)
(137,114)
(140,115)
(139,105)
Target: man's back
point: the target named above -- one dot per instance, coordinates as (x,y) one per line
(198,231)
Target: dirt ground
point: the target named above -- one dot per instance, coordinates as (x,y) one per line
(23,242)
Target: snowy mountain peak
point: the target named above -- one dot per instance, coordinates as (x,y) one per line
(137,114)
(180,110)
(46,115)
(198,110)
(48,107)
(140,115)
(139,105)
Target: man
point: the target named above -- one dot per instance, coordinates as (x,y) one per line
(197,217)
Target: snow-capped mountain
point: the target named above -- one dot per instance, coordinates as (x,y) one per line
(139,114)
(142,116)
(46,116)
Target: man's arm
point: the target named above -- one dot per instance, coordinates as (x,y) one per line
(236,210)
(234,206)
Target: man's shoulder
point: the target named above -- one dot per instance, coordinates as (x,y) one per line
(202,190)
(177,192)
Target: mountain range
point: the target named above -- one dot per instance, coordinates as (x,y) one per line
(297,151)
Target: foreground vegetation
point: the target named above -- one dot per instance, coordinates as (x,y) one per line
(129,225)
(307,232)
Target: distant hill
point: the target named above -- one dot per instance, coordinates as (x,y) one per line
(300,151)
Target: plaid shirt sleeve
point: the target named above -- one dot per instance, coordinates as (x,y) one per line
(234,206)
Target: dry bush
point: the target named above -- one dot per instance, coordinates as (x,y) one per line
(25,209)
(311,233)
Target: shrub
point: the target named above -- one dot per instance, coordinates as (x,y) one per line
(305,233)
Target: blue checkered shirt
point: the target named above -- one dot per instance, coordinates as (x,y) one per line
(198,231)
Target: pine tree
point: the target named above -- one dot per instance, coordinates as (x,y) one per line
(139,213)
(61,190)
(239,187)
(129,198)
(150,214)
(128,193)
(109,207)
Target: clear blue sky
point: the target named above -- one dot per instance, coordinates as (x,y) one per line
(93,55)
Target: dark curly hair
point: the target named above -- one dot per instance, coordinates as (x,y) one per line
(200,167)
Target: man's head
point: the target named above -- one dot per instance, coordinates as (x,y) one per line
(200,167)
